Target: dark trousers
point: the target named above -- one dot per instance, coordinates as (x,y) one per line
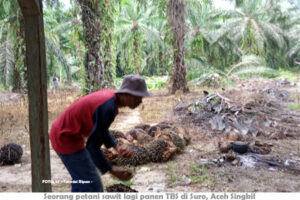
(85,177)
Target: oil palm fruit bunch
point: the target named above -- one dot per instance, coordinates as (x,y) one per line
(140,156)
(10,154)
(156,149)
(117,134)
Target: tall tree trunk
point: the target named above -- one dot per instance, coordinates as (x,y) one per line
(23,51)
(107,24)
(135,55)
(177,23)
(92,36)
(136,47)
(8,63)
(17,86)
(161,62)
(107,61)
(16,73)
(37,94)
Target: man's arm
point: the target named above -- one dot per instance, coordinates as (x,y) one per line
(103,117)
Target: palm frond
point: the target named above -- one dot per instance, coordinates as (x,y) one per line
(258,34)
(198,14)
(225,14)
(122,21)
(294,33)
(126,38)
(151,35)
(274,33)
(200,80)
(231,27)
(6,60)
(252,65)
(252,7)
(75,69)
(295,50)
(252,71)
(200,68)
(63,27)
(59,55)
(197,63)
(247,61)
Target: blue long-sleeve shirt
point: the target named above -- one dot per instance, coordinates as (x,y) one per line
(103,117)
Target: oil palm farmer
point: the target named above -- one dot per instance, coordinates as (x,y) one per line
(82,128)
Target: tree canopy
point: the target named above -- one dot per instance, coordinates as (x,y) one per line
(103,40)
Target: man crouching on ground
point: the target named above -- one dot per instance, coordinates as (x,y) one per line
(82,128)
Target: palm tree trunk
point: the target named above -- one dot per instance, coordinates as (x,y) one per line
(23,50)
(107,24)
(16,73)
(107,62)
(135,53)
(160,62)
(7,65)
(92,35)
(16,80)
(176,14)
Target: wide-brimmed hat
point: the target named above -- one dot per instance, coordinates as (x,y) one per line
(134,85)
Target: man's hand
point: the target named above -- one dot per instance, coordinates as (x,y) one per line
(121,174)
(124,152)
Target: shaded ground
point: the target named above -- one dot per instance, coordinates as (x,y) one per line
(182,173)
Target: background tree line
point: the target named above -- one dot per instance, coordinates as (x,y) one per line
(94,42)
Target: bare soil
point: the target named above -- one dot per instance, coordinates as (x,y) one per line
(181,174)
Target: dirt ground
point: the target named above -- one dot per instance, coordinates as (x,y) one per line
(183,173)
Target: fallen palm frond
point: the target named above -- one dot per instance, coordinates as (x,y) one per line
(251,65)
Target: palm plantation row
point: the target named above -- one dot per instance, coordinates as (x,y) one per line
(95,41)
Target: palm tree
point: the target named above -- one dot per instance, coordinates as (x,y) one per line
(294,53)
(157,57)
(165,51)
(289,20)
(199,19)
(12,39)
(204,50)
(133,27)
(90,16)
(57,28)
(199,33)
(13,30)
(6,54)
(252,27)
(108,11)
(176,13)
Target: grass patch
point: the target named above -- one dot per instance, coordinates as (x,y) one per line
(287,74)
(200,175)
(294,107)
(153,82)
(128,183)
(172,174)
(157,82)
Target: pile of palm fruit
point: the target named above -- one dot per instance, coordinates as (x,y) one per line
(157,143)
